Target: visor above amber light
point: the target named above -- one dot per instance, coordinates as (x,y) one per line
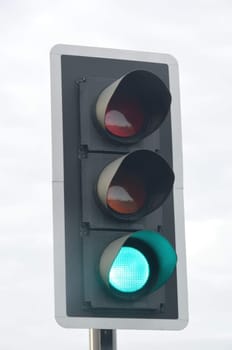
(134,185)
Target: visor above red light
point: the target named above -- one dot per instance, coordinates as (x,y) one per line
(133,106)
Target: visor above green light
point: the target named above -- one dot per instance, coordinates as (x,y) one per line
(137,264)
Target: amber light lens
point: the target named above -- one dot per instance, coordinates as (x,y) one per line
(124,118)
(126,193)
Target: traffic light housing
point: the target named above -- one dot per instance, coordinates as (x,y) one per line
(117,190)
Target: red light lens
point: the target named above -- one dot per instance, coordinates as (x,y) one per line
(126,193)
(124,118)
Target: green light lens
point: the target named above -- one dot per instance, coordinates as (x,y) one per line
(129,271)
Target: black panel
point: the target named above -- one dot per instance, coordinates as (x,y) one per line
(85,153)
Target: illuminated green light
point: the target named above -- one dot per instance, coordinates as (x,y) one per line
(129,271)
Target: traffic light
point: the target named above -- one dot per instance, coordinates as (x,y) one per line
(117,190)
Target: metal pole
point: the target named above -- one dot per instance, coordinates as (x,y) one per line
(102,339)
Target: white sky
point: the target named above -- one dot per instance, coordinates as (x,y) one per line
(199,35)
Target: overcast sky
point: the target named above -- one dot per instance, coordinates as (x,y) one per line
(199,35)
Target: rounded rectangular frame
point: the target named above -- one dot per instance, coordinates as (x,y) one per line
(58,192)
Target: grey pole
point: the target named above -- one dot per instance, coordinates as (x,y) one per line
(102,339)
